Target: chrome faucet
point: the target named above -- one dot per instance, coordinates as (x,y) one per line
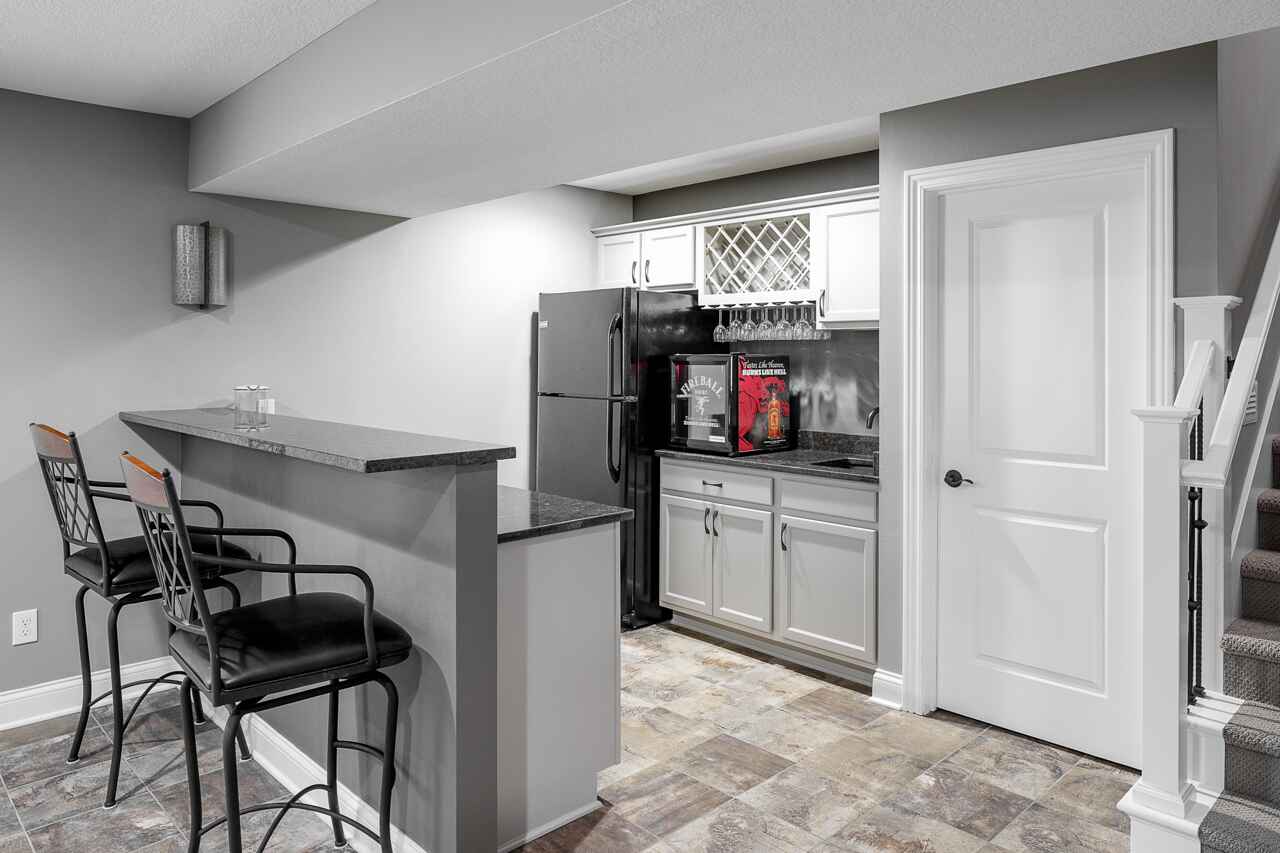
(872,416)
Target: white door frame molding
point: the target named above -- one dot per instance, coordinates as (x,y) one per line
(924,190)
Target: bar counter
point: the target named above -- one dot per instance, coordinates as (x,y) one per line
(510,699)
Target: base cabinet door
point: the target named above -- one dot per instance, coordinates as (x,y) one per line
(743,566)
(685,554)
(827,586)
(618,261)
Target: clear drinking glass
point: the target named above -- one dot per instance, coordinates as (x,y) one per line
(782,330)
(250,406)
(764,329)
(748,328)
(720,334)
(735,325)
(804,329)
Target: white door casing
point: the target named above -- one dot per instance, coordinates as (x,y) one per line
(1037,316)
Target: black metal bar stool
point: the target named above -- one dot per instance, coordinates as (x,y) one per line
(118,570)
(315,644)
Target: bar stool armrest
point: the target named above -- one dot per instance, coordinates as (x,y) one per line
(371,645)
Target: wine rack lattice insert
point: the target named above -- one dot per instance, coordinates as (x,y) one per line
(758,256)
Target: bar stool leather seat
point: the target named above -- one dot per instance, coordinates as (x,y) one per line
(310,636)
(132,570)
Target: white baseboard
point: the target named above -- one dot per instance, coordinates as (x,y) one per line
(27,705)
(550,826)
(295,770)
(886,689)
(778,650)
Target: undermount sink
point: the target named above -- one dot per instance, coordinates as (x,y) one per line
(849,463)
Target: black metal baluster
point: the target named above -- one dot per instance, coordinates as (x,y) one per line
(1200,524)
(1192,500)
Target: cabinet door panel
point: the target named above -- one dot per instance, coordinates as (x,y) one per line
(666,257)
(684,554)
(827,586)
(846,263)
(618,260)
(743,561)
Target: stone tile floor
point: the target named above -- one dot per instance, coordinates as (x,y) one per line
(48,806)
(727,751)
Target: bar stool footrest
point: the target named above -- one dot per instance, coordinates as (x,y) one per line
(357,746)
(284,806)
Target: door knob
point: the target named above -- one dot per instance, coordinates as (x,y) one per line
(954,478)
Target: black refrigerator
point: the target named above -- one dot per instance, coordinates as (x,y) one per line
(603,408)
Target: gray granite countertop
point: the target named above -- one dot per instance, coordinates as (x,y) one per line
(523,514)
(365,450)
(799,461)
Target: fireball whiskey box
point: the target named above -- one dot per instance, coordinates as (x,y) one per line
(731,404)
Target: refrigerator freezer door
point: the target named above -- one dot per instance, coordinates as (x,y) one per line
(583,339)
(582,450)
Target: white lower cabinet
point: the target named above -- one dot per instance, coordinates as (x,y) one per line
(827,586)
(742,570)
(684,554)
(803,580)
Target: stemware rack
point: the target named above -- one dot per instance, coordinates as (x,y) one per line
(769,321)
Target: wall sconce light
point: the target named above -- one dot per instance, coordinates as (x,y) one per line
(200,265)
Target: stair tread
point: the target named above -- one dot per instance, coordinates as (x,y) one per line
(1238,824)
(1255,727)
(1261,565)
(1255,638)
(1269,501)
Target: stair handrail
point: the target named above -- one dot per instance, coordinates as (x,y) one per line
(1225,437)
(1196,375)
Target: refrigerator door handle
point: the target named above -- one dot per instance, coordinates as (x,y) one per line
(615,471)
(615,327)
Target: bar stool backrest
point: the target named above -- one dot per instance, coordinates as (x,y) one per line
(69,490)
(181,590)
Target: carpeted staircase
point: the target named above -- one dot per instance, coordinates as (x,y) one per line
(1246,818)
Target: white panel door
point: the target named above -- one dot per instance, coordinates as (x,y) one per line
(667,257)
(845,263)
(684,554)
(1043,290)
(827,586)
(618,261)
(743,560)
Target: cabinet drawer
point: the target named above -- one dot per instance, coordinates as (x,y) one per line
(717,483)
(828,499)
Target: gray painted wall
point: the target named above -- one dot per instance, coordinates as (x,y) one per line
(1249,158)
(1177,89)
(349,317)
(835,173)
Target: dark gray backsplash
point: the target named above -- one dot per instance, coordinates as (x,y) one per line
(836,382)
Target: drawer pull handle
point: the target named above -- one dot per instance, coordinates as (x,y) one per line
(713,485)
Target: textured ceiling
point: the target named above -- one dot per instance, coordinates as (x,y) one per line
(163,56)
(651,81)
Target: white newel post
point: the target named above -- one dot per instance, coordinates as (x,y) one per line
(1162,799)
(1209,318)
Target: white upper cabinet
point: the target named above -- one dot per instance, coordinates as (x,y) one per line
(821,250)
(618,260)
(657,259)
(845,264)
(666,258)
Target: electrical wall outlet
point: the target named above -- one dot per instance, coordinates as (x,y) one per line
(24,627)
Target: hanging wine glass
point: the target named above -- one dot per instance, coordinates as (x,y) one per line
(764,329)
(804,329)
(721,333)
(748,328)
(735,326)
(782,330)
